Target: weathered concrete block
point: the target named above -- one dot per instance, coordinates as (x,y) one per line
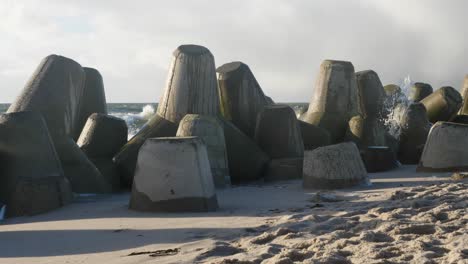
(211,132)
(445,148)
(54,90)
(461,119)
(191,86)
(284,169)
(371,137)
(80,171)
(419,91)
(278,132)
(366,132)
(242,98)
(414,130)
(57,91)
(371,94)
(313,136)
(31,176)
(109,171)
(334,166)
(93,99)
(443,104)
(464,94)
(126,158)
(102,137)
(392,89)
(378,158)
(247,162)
(179,182)
(335,98)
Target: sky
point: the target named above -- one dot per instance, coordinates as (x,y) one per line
(283,41)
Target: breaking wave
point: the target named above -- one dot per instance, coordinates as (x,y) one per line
(135,115)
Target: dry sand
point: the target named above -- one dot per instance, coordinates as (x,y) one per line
(403,217)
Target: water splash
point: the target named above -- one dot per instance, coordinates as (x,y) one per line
(395,106)
(135,120)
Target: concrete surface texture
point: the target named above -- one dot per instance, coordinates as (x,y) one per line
(247,162)
(211,132)
(443,104)
(102,137)
(419,91)
(241,97)
(191,85)
(414,130)
(445,148)
(464,94)
(126,158)
(333,166)
(181,181)
(93,98)
(371,94)
(31,176)
(313,136)
(335,98)
(278,132)
(55,90)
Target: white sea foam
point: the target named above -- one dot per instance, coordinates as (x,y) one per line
(135,120)
(396,106)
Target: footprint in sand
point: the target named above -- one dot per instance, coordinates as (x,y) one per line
(267,236)
(376,237)
(220,249)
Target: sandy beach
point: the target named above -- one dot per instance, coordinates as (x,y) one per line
(401,217)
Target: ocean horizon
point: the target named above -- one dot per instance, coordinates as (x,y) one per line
(137,114)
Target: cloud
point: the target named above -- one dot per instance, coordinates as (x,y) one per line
(282,41)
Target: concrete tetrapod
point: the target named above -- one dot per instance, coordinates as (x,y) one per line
(179,182)
(366,132)
(371,94)
(247,162)
(313,136)
(191,88)
(392,89)
(93,98)
(242,98)
(373,141)
(126,158)
(443,104)
(379,158)
(31,177)
(335,98)
(54,90)
(461,119)
(445,148)
(279,135)
(101,138)
(211,132)
(80,171)
(334,166)
(414,130)
(464,94)
(419,91)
